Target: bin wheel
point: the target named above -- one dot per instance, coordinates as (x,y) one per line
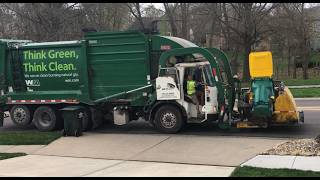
(77,133)
(64,133)
(86,120)
(21,115)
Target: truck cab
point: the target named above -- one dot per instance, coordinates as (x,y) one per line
(171,85)
(173,105)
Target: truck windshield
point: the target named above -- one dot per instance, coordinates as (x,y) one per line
(208,75)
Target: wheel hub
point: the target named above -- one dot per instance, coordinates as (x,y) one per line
(168,120)
(19,115)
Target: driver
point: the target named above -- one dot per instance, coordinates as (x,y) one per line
(191,91)
(199,87)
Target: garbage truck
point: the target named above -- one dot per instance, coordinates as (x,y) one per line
(125,76)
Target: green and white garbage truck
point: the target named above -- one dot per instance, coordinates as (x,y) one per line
(120,76)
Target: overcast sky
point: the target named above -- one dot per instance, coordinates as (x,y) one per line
(160,5)
(157,5)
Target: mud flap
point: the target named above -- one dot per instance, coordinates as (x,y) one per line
(1,117)
(301,116)
(224,119)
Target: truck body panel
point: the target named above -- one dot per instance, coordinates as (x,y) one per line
(117,62)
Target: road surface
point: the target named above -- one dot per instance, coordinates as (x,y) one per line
(310,129)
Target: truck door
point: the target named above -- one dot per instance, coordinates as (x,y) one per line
(211,92)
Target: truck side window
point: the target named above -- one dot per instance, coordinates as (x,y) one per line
(169,72)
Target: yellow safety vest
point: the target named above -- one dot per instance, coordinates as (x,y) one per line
(191,87)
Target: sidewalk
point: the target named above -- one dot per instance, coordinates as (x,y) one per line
(305,163)
(52,166)
(95,154)
(28,149)
(185,149)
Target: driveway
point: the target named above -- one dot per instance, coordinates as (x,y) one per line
(95,154)
(189,149)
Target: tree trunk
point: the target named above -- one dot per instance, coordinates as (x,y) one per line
(169,13)
(289,62)
(294,68)
(234,61)
(234,64)
(305,65)
(246,75)
(184,24)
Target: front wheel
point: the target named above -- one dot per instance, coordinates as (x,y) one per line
(168,119)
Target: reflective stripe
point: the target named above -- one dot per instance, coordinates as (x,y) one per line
(42,101)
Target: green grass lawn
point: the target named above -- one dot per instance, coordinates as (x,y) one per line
(10,155)
(28,138)
(293,82)
(247,171)
(307,92)
(300,82)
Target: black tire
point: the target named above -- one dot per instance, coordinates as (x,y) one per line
(21,115)
(46,119)
(86,120)
(168,119)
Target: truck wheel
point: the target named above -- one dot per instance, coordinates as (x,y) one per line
(45,118)
(21,115)
(86,120)
(168,119)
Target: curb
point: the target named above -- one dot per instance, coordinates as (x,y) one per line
(315,98)
(304,163)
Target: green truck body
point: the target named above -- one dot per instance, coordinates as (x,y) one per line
(125,76)
(101,65)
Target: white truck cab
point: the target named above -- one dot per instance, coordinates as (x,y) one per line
(171,86)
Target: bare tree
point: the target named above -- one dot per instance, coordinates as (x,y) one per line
(136,11)
(184,7)
(246,25)
(170,13)
(42,21)
(300,27)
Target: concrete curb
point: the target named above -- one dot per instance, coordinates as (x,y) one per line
(305,163)
(304,86)
(308,99)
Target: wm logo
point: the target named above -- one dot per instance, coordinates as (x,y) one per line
(34,82)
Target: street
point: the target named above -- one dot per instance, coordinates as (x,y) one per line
(137,149)
(310,129)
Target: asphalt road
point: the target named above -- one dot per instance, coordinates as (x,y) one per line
(310,129)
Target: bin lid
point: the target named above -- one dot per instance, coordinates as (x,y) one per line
(260,64)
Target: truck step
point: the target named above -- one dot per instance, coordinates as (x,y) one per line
(247,125)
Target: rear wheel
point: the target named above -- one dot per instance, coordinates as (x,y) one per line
(21,115)
(168,119)
(46,119)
